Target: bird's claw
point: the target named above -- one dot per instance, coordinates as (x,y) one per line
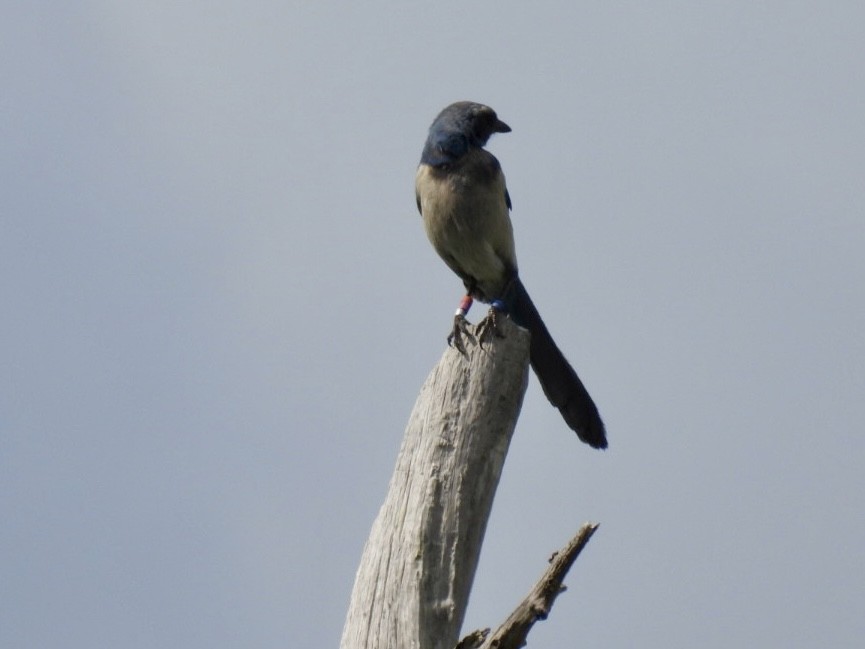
(460,332)
(489,327)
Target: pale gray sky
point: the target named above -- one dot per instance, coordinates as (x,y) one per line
(219,306)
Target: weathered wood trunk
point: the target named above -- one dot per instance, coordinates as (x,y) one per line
(416,572)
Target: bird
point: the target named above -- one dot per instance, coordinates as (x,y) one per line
(464,203)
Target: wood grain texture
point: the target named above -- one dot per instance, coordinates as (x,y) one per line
(417,568)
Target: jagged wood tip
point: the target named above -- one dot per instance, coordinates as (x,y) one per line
(537,604)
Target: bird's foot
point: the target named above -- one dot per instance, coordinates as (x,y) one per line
(460,332)
(488,328)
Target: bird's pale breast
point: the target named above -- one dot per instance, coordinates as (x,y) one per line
(466,219)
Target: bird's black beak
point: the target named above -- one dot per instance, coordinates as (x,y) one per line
(501,127)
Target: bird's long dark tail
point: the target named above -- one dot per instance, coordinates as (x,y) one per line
(558,379)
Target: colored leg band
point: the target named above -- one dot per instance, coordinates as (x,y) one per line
(465,305)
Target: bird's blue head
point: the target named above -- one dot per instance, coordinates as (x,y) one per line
(457,129)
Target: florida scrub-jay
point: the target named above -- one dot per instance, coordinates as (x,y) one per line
(464,202)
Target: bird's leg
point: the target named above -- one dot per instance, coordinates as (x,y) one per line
(461,326)
(489,326)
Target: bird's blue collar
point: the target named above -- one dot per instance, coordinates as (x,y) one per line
(444,148)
